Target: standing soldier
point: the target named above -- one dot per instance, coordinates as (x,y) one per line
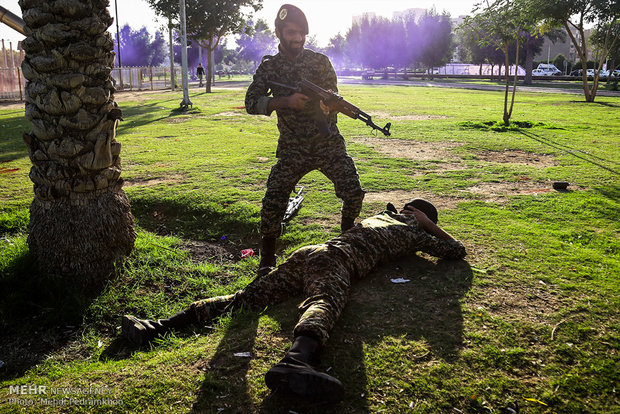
(324,274)
(200,71)
(302,146)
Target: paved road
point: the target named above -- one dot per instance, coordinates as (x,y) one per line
(466,85)
(350,80)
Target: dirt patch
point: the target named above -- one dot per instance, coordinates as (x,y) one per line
(229,113)
(174,120)
(533,303)
(500,191)
(202,251)
(414,150)
(174,179)
(400,197)
(519,157)
(391,118)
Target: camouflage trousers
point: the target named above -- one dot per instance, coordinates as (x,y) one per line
(332,160)
(318,272)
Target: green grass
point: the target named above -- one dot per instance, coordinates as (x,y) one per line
(530,319)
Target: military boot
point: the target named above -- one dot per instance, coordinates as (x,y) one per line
(142,331)
(267,256)
(346,223)
(295,374)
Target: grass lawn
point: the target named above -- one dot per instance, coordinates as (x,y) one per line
(529,319)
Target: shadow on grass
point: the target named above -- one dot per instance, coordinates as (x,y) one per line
(12,145)
(574,152)
(226,373)
(138,115)
(426,311)
(38,315)
(607,104)
(196,220)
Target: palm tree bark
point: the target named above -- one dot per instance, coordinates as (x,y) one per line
(80,220)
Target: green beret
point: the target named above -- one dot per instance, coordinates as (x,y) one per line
(290,13)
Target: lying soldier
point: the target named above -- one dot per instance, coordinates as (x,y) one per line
(324,274)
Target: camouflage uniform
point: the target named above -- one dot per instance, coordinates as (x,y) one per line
(324,272)
(301,147)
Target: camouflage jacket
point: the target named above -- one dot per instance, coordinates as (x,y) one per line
(297,128)
(388,236)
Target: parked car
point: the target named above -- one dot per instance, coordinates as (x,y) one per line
(548,69)
(603,74)
(368,74)
(539,72)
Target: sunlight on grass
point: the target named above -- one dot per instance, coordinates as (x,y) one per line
(530,318)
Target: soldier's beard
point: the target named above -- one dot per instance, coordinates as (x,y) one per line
(292,48)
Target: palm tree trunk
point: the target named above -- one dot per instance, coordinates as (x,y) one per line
(80,221)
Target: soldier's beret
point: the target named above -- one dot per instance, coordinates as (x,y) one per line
(425,207)
(290,13)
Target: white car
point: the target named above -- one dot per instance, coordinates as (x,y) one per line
(541,72)
(548,69)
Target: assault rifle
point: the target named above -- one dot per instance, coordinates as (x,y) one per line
(294,204)
(334,101)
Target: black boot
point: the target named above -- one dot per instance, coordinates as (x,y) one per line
(142,331)
(267,256)
(295,374)
(346,223)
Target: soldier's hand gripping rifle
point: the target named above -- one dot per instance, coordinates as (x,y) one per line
(334,101)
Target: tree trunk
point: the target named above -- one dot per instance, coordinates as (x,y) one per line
(507,75)
(515,79)
(172,80)
(80,220)
(582,51)
(210,65)
(529,60)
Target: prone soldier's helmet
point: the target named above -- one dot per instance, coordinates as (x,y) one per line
(290,13)
(425,207)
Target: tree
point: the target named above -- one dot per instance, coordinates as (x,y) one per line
(412,37)
(479,46)
(210,21)
(502,23)
(336,50)
(138,49)
(559,60)
(573,15)
(80,221)
(256,41)
(600,39)
(168,9)
(377,43)
(436,39)
(313,44)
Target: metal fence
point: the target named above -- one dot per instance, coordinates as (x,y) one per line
(13,83)
(141,78)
